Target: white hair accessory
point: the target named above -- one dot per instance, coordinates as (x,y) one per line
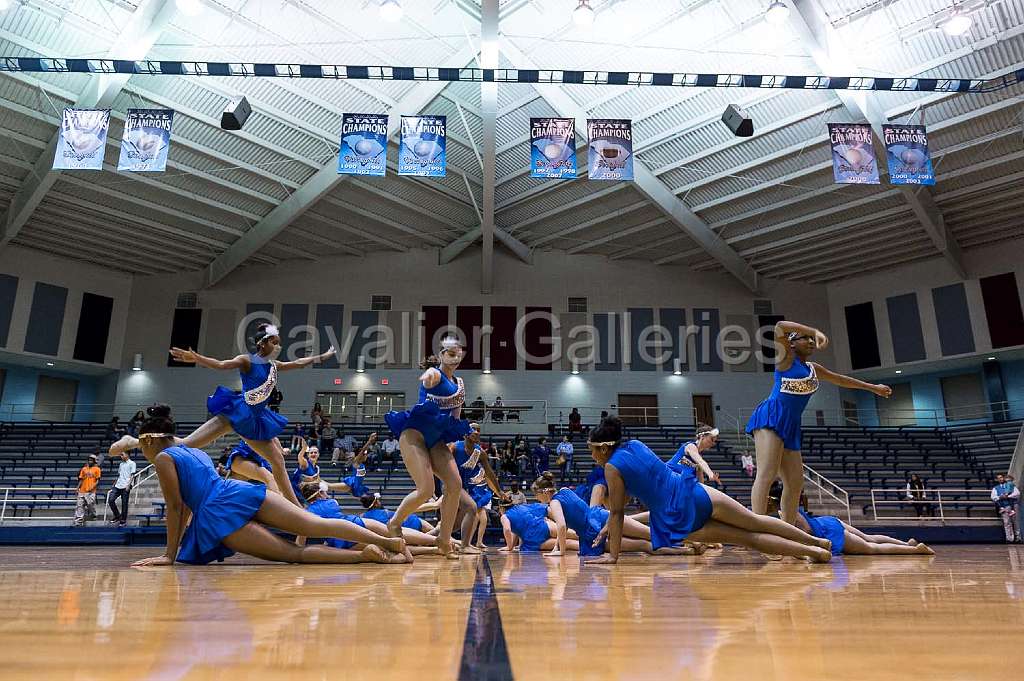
(271,330)
(450,343)
(324,487)
(713,432)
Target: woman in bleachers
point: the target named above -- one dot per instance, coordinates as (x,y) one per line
(847,539)
(683,509)
(246,412)
(424,433)
(228,516)
(775,424)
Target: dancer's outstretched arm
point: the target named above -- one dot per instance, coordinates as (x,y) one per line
(842,381)
(305,361)
(190,356)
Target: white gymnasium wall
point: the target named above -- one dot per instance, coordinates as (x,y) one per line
(415,279)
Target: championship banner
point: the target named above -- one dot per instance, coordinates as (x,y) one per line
(146,140)
(611,149)
(364,145)
(553,148)
(82,139)
(421,150)
(906,149)
(853,156)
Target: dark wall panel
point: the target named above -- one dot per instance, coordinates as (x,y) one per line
(1003,310)
(470,320)
(45,319)
(503,344)
(293,315)
(954,319)
(93,328)
(185,332)
(905,328)
(435,318)
(330,322)
(862,335)
(641,318)
(8,293)
(362,321)
(674,321)
(767,323)
(609,341)
(536,333)
(708,322)
(267,310)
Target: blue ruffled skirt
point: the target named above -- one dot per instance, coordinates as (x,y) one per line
(433,424)
(481,494)
(828,527)
(686,508)
(258,423)
(774,415)
(596,518)
(357,485)
(226,510)
(243,451)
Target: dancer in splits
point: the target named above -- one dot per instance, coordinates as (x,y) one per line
(247,412)
(228,516)
(682,508)
(423,435)
(775,424)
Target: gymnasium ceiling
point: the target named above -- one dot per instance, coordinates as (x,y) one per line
(767,203)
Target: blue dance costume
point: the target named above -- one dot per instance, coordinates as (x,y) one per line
(296,476)
(681,463)
(247,410)
(219,507)
(480,493)
(782,411)
(678,504)
(585,521)
(528,523)
(827,527)
(432,416)
(329,508)
(594,478)
(243,451)
(383,515)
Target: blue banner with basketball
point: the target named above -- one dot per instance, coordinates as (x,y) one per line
(82,139)
(421,151)
(853,154)
(553,148)
(364,144)
(146,140)
(611,149)
(906,149)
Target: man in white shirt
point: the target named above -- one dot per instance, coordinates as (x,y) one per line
(121,489)
(390,447)
(1007,498)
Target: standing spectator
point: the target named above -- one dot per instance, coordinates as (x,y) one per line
(327,436)
(276,398)
(916,493)
(564,460)
(508,460)
(517,495)
(135,422)
(747,463)
(316,418)
(522,450)
(391,450)
(541,457)
(121,490)
(575,423)
(88,480)
(1007,497)
(343,448)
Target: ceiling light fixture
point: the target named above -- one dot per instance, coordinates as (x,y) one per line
(958,23)
(189,8)
(583,15)
(777,12)
(391,11)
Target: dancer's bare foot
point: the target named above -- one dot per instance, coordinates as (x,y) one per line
(471,550)
(393,544)
(674,551)
(825,544)
(394,530)
(924,549)
(912,542)
(447,549)
(820,555)
(376,554)
(772,556)
(482,547)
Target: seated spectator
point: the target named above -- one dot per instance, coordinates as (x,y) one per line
(516,494)
(476,410)
(747,463)
(88,481)
(1006,497)
(327,436)
(391,451)
(135,422)
(575,423)
(917,495)
(498,416)
(508,460)
(343,448)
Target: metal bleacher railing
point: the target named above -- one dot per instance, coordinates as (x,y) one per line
(938,505)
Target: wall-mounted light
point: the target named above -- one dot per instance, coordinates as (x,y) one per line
(899,371)
(361,365)
(677,367)
(137,362)
(575,369)
(49,364)
(487,365)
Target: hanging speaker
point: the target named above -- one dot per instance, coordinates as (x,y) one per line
(741,124)
(235,114)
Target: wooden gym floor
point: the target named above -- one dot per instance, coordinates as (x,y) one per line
(74,613)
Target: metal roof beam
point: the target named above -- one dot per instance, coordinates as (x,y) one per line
(145,26)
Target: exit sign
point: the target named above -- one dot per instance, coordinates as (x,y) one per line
(383,381)
(337,381)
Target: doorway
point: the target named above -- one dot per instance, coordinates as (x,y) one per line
(704,409)
(55,399)
(375,405)
(340,406)
(638,410)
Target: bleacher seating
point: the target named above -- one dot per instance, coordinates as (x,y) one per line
(49,456)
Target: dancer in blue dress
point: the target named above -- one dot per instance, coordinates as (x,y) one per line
(423,435)
(689,459)
(526,526)
(375,511)
(244,463)
(308,470)
(775,424)
(682,508)
(595,490)
(247,412)
(847,539)
(479,486)
(228,516)
(569,512)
